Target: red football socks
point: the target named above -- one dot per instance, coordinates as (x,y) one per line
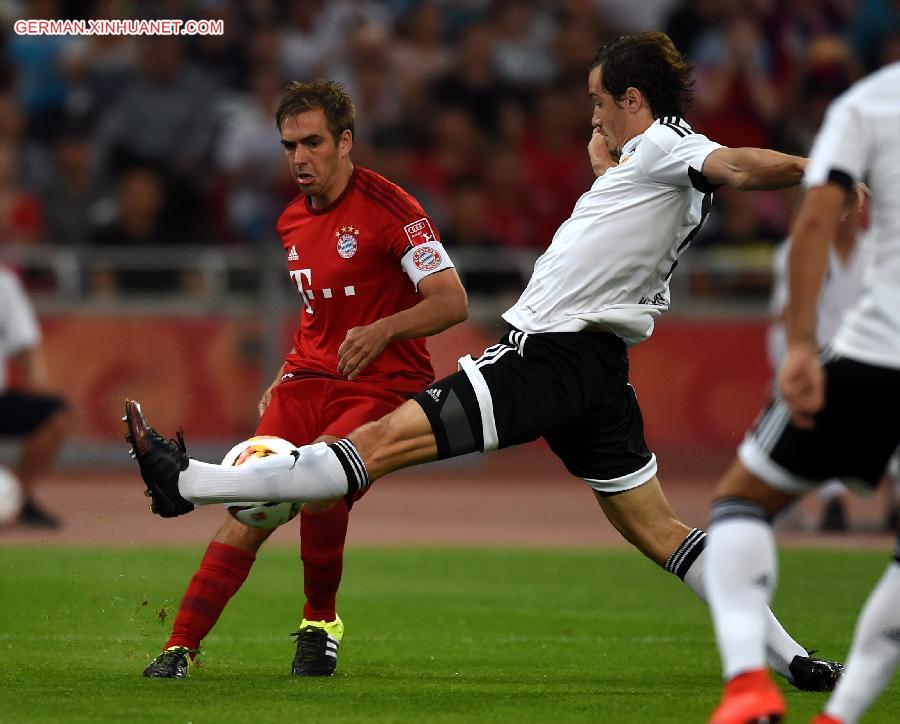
(322,538)
(222,571)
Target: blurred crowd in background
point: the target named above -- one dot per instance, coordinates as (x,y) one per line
(479,108)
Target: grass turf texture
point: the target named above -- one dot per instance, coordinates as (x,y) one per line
(436,635)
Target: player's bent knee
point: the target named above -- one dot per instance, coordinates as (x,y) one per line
(739,482)
(234,533)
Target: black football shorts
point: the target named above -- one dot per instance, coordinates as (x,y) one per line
(21,413)
(853,437)
(571,388)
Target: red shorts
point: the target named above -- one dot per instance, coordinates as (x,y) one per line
(305,408)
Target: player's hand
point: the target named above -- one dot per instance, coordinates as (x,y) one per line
(266,398)
(802,384)
(360,347)
(598,152)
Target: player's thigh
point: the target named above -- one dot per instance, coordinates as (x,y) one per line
(350,405)
(513,393)
(606,447)
(295,411)
(853,437)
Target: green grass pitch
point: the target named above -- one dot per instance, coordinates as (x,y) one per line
(433,635)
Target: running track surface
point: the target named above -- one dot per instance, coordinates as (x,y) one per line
(517,497)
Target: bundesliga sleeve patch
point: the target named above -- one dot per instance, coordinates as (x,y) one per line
(425,259)
(419,232)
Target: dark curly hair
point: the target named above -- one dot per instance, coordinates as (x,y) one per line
(651,63)
(328,95)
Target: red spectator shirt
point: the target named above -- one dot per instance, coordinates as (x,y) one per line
(356,261)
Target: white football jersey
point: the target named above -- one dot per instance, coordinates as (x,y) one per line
(609,263)
(18,324)
(860,141)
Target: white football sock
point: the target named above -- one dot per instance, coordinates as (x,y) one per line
(740,579)
(315,474)
(875,652)
(780,647)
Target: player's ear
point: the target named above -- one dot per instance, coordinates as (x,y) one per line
(634,99)
(345,142)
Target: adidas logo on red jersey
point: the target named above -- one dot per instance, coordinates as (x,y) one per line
(293,255)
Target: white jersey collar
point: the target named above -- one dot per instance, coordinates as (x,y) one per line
(629,147)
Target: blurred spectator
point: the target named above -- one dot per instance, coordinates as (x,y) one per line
(740,261)
(688,20)
(509,215)
(28,411)
(575,46)
(554,151)
(827,70)
(366,70)
(69,194)
(314,35)
(257,185)
(20,210)
(225,57)
(37,61)
(632,17)
(137,221)
(874,23)
(889,49)
(32,154)
(420,54)
(469,228)
(99,67)
(473,84)
(523,35)
(167,118)
(395,157)
(453,150)
(737,99)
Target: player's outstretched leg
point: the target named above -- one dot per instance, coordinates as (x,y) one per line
(644,517)
(160,460)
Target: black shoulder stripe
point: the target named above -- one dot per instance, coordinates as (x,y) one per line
(678,129)
(841,178)
(700,182)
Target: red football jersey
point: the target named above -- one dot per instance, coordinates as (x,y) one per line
(345,261)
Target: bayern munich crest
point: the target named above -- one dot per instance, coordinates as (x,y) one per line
(425,258)
(347,241)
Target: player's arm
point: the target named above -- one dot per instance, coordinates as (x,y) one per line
(443,305)
(266,398)
(751,169)
(801,379)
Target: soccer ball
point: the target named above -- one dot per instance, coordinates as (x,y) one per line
(11,498)
(260,515)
